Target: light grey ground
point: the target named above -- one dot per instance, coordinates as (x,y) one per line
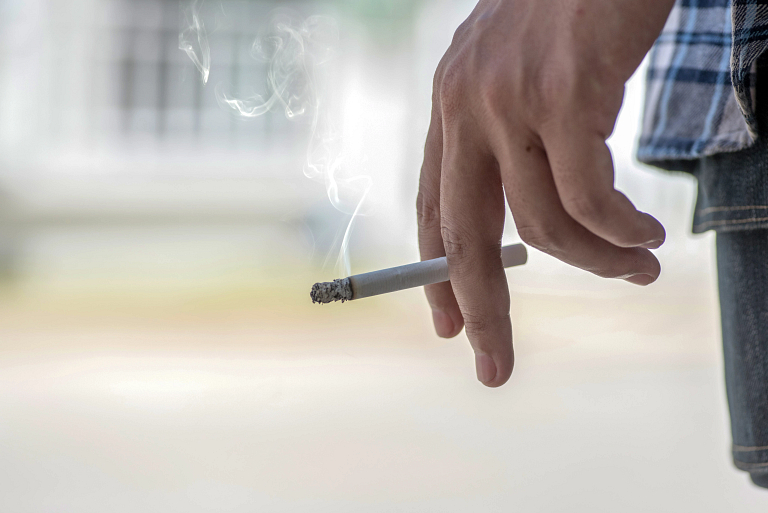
(616,404)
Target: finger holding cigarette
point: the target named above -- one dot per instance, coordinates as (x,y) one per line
(400,278)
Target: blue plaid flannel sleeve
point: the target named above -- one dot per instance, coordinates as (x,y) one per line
(700,97)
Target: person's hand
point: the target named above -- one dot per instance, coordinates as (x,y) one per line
(524,100)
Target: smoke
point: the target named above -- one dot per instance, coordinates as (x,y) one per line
(295,51)
(193,38)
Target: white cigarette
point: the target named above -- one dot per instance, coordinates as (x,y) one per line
(400,278)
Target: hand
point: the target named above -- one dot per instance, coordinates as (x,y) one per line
(524,100)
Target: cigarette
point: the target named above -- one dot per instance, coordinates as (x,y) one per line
(400,278)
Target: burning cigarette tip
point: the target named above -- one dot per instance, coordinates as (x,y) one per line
(329,292)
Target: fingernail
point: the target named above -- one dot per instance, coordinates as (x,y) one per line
(654,244)
(641,279)
(444,325)
(485,367)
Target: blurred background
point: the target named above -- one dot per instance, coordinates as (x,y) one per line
(158,349)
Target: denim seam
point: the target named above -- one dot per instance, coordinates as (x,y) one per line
(741,448)
(706,211)
(727,222)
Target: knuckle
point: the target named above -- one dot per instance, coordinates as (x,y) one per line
(451,88)
(542,236)
(437,80)
(461,31)
(469,255)
(427,211)
(475,324)
(456,245)
(494,91)
(585,207)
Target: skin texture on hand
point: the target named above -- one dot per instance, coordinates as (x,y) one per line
(523,102)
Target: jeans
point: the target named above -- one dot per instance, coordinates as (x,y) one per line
(733,200)
(743,280)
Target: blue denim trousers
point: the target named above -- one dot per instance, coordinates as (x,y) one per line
(733,200)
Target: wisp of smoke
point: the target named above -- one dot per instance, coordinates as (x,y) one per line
(294,50)
(193,38)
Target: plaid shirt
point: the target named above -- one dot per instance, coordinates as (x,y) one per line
(700,97)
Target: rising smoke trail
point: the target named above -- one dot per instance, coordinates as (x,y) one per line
(193,39)
(294,49)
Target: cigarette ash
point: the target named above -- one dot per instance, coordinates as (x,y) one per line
(337,290)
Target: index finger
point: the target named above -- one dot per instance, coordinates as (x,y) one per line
(446,315)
